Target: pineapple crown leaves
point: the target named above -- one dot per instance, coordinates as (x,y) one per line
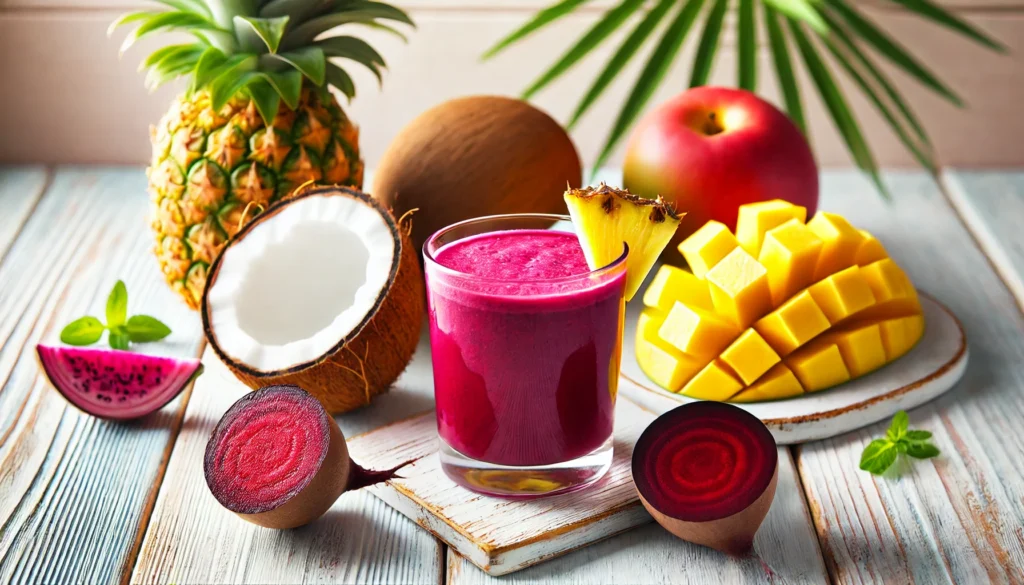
(819,33)
(264,49)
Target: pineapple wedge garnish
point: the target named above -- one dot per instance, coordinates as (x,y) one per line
(606,217)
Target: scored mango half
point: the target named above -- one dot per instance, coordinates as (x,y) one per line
(784,306)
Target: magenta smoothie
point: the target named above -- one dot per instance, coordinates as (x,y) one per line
(525,349)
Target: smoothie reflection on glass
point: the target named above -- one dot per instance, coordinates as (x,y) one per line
(526,342)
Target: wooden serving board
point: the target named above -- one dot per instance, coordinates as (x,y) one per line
(934,366)
(496,534)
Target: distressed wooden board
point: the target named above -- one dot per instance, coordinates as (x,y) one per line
(992,205)
(933,367)
(20,190)
(957,518)
(75,491)
(786,543)
(503,535)
(192,539)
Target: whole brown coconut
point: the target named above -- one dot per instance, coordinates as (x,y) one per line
(475,156)
(322,291)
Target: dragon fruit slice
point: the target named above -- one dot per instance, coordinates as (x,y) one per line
(116,384)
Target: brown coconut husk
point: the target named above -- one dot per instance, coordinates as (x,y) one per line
(732,534)
(476,156)
(375,353)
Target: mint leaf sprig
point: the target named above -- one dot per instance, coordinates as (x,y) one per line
(880,454)
(123,330)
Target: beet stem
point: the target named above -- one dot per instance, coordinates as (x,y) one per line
(360,477)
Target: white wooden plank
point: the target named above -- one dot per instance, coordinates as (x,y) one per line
(786,552)
(74,489)
(956,518)
(20,190)
(497,534)
(991,203)
(192,539)
(109,121)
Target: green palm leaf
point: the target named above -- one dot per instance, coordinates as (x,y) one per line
(936,14)
(622,56)
(923,158)
(708,44)
(836,104)
(885,45)
(651,76)
(853,51)
(784,68)
(801,11)
(835,25)
(747,65)
(542,18)
(597,33)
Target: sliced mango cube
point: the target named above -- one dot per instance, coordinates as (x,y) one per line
(843,294)
(780,308)
(714,382)
(900,335)
(894,293)
(696,332)
(673,284)
(664,364)
(796,322)
(840,242)
(861,348)
(790,255)
(778,382)
(739,288)
(749,356)
(870,250)
(818,365)
(755,219)
(706,246)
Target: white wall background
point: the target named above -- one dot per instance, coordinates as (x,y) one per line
(66,97)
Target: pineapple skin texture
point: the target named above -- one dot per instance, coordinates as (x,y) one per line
(211,172)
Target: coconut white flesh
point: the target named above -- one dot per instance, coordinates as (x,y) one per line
(300,281)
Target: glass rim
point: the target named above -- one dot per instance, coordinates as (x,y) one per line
(428,257)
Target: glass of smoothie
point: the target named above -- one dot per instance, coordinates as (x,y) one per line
(526,342)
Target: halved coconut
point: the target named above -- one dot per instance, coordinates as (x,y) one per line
(323,291)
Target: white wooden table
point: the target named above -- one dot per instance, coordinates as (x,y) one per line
(83,500)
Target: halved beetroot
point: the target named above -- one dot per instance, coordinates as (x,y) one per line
(707,472)
(115,384)
(277,459)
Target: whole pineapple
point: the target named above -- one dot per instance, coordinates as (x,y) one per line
(256,121)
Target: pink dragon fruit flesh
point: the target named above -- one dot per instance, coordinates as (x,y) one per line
(116,384)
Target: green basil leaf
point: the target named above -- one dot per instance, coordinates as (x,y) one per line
(879,455)
(84,331)
(117,305)
(118,338)
(898,426)
(920,450)
(143,329)
(917,435)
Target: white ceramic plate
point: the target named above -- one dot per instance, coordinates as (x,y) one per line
(930,369)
